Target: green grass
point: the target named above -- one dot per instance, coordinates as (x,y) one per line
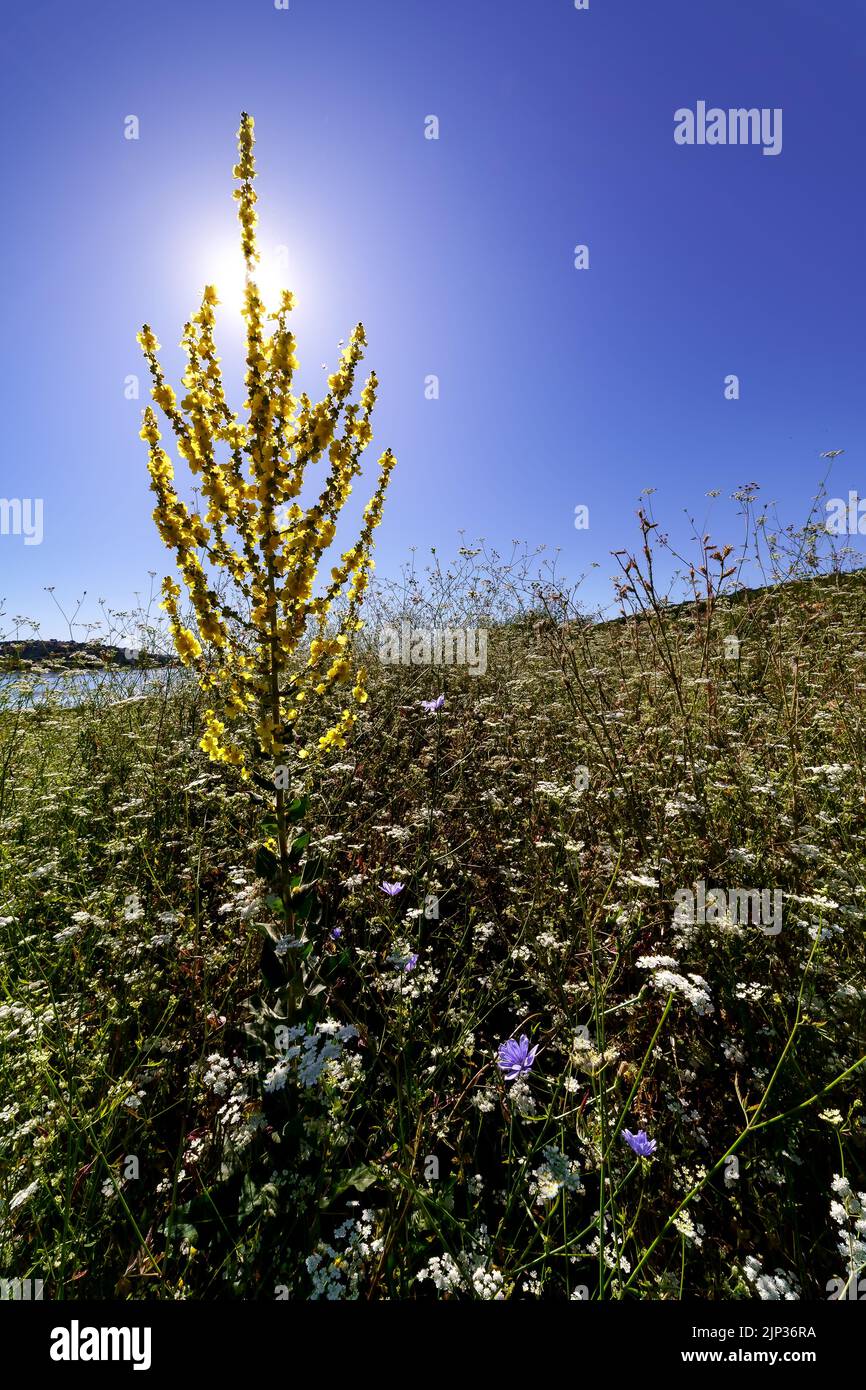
(137,1036)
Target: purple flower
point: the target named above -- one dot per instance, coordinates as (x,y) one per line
(337,932)
(432,706)
(516,1058)
(392,889)
(642,1146)
(411,962)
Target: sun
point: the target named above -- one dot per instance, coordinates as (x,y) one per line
(222,265)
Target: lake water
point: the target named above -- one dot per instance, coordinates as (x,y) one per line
(68,688)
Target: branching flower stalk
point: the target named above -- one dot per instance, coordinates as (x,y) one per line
(270,642)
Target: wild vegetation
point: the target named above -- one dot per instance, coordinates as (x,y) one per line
(535,974)
(172,1129)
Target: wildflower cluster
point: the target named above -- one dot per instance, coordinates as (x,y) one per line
(338,1274)
(770,1288)
(470,1271)
(848,1211)
(265,644)
(308,1055)
(508,1029)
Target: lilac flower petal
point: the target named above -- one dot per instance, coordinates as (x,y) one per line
(515,1058)
(639,1142)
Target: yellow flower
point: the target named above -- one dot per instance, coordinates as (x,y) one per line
(188,648)
(149,430)
(251,621)
(164,397)
(147,339)
(358,690)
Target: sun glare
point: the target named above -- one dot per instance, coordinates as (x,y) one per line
(223,266)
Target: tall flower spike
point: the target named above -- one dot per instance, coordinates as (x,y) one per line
(245,171)
(263,637)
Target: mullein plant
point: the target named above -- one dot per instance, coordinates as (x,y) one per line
(266,641)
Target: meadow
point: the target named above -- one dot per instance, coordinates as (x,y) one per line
(523,1069)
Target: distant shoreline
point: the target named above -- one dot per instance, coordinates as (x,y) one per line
(30,653)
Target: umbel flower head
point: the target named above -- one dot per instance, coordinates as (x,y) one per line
(266,639)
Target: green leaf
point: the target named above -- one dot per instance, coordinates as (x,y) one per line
(305,907)
(267,864)
(359,1178)
(300,843)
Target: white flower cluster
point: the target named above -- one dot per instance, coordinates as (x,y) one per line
(778,1287)
(752,991)
(848,1210)
(246,900)
(230,1080)
(484,1099)
(68,933)
(586,1057)
(556,1174)
(21,1024)
(345,1072)
(549,941)
(612,1255)
(469,1273)
(664,977)
(521,1097)
(640,880)
(337,1273)
(690,1229)
(826,933)
(410,977)
(559,792)
(218,1075)
(309,1054)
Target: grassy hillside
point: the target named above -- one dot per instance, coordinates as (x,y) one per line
(167,1134)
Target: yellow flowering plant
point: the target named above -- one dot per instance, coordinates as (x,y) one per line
(265,641)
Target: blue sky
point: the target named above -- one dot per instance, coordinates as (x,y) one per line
(557,386)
